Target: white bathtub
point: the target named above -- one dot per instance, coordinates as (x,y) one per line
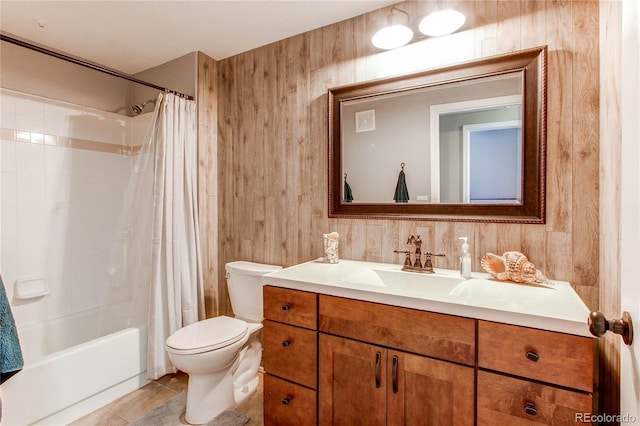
(58,386)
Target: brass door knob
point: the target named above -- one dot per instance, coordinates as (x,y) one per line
(599,325)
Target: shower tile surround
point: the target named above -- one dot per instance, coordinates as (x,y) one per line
(63,170)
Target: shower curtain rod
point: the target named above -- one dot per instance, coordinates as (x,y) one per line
(86,64)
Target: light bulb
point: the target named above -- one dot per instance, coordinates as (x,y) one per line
(392,37)
(441,23)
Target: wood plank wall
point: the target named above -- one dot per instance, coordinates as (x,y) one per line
(272,130)
(272,143)
(207,99)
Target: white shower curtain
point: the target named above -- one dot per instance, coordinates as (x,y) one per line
(176,294)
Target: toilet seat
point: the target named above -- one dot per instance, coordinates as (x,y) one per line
(207,335)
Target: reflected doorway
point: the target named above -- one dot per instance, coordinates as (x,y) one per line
(492,154)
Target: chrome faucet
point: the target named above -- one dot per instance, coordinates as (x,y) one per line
(417,265)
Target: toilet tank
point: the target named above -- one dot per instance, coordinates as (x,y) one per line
(245,289)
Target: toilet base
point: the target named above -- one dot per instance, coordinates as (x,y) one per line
(214,396)
(209,394)
(243,393)
(215,400)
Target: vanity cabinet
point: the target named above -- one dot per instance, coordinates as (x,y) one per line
(368,374)
(332,360)
(550,375)
(290,356)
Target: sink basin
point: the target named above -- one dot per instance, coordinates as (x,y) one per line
(404,281)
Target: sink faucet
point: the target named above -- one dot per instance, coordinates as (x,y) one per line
(418,254)
(417,265)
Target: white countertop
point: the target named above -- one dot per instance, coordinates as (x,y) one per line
(554,309)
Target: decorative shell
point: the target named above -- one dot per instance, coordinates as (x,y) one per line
(513,266)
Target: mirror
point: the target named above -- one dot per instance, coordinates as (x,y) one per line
(465,142)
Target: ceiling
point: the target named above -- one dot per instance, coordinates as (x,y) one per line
(132,36)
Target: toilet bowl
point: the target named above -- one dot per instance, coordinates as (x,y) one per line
(222,355)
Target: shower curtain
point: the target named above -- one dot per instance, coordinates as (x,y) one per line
(176,294)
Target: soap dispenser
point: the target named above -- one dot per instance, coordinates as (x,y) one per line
(465,259)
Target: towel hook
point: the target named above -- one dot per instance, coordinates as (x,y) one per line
(345,176)
(401,166)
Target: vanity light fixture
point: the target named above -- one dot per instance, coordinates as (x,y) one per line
(398,31)
(441,22)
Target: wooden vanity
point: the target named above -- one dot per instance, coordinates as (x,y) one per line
(335,360)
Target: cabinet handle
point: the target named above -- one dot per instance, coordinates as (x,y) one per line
(286,400)
(530,409)
(394,375)
(286,307)
(286,343)
(377,369)
(532,356)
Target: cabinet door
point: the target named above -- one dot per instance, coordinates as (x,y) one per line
(352,383)
(426,391)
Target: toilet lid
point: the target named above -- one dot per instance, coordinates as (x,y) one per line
(208,335)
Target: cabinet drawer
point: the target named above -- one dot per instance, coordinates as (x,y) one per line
(293,307)
(547,356)
(290,352)
(508,401)
(426,333)
(286,403)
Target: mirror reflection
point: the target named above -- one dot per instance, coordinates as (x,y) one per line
(460,143)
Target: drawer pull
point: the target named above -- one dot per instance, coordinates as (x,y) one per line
(377,369)
(530,409)
(286,343)
(394,374)
(286,400)
(286,307)
(532,356)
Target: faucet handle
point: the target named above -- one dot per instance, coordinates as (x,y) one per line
(427,264)
(436,254)
(407,259)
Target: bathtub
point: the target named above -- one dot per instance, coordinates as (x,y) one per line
(65,379)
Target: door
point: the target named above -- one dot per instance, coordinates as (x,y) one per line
(428,391)
(491,158)
(352,383)
(630,218)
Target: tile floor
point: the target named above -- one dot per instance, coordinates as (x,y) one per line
(134,405)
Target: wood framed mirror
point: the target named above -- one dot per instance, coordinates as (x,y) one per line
(469,139)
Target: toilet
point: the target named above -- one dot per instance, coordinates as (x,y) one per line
(222,355)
